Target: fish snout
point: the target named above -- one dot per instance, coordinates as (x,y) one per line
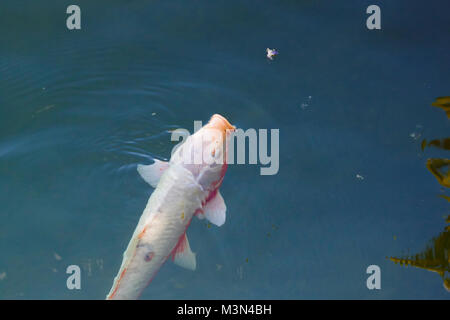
(219,122)
(215,138)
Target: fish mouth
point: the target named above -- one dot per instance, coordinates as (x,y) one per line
(221,123)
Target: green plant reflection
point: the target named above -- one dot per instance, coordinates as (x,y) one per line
(435,257)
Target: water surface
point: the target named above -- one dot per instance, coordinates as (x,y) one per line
(80,109)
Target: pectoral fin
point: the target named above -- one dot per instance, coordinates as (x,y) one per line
(215,210)
(182,254)
(152,173)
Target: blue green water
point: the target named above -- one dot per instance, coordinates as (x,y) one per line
(80,109)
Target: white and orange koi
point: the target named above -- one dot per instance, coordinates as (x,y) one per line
(184,188)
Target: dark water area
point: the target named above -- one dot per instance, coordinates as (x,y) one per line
(80,109)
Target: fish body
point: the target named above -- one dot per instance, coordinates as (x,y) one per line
(184,189)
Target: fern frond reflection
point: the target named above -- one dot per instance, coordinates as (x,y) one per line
(435,257)
(440,169)
(444,104)
(437,143)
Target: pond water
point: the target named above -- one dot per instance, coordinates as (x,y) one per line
(79,109)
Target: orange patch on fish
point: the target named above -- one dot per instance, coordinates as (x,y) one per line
(118,282)
(142,232)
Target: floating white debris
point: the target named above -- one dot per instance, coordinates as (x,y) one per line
(415,135)
(2,276)
(57,256)
(271,53)
(360,177)
(153,113)
(306,103)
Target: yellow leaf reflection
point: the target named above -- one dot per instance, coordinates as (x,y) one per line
(437,143)
(434,258)
(444,104)
(440,169)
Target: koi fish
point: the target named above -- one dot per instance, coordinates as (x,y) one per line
(186,186)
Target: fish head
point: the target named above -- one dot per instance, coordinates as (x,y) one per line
(205,152)
(215,140)
(215,135)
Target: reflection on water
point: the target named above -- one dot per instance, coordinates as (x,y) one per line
(80,109)
(438,143)
(440,169)
(436,257)
(444,103)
